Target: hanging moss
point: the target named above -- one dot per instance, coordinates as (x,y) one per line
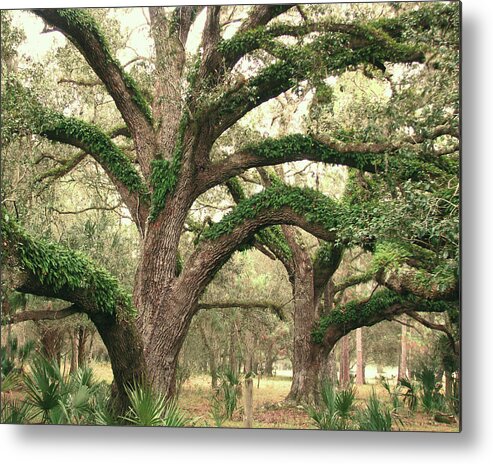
(358,313)
(82,19)
(62,269)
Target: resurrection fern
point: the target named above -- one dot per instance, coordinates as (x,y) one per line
(303,145)
(32,117)
(59,268)
(82,19)
(274,237)
(165,173)
(361,312)
(97,143)
(312,205)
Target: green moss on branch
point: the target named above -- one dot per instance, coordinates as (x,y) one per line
(82,20)
(63,270)
(360,313)
(295,146)
(165,173)
(97,143)
(312,205)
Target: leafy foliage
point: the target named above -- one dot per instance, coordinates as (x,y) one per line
(375,417)
(336,410)
(61,268)
(409,396)
(148,408)
(361,312)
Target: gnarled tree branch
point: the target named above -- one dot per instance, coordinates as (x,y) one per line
(278,204)
(277,309)
(79,27)
(42,315)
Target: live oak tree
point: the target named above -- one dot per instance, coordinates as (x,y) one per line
(311,274)
(173,127)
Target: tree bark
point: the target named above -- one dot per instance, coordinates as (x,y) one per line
(126,355)
(344,374)
(74,351)
(269,360)
(402,371)
(306,362)
(360,364)
(248,383)
(82,339)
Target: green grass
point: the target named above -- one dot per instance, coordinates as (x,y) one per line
(269,409)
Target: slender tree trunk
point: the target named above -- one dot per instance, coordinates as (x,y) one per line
(248,383)
(211,356)
(360,366)
(74,353)
(344,374)
(269,360)
(91,344)
(233,359)
(402,372)
(448,384)
(82,339)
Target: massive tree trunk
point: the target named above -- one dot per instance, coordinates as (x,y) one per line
(126,355)
(306,360)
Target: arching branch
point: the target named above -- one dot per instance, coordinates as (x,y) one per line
(294,63)
(274,307)
(368,157)
(279,204)
(382,305)
(36,118)
(42,315)
(270,241)
(260,15)
(50,270)
(434,326)
(81,29)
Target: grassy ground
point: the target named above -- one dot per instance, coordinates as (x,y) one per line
(269,409)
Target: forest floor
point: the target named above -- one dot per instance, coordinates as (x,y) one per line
(270,410)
